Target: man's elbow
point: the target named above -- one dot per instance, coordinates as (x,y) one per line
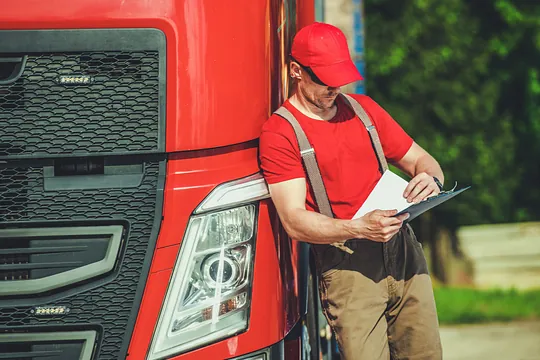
(290,224)
(290,229)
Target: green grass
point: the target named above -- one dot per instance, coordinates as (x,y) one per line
(465,306)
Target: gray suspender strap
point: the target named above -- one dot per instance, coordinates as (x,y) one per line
(361,113)
(314,175)
(310,163)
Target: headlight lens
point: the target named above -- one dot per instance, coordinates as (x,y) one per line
(209,293)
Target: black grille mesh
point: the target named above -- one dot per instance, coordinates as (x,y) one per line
(118,112)
(22,199)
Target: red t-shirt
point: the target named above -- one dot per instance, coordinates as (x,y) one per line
(344,152)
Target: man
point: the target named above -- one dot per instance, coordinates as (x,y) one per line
(377,295)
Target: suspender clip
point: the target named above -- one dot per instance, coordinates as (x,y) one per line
(307,151)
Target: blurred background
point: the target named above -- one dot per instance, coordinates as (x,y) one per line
(463,78)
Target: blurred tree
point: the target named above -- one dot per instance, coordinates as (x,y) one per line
(463,78)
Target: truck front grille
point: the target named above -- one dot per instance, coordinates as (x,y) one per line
(82,164)
(116,112)
(108,302)
(81,93)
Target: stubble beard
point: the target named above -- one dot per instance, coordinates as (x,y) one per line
(321,103)
(325,103)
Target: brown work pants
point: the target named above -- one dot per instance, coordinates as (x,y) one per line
(379,301)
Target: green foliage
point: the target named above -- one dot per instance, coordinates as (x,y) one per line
(463,78)
(460,306)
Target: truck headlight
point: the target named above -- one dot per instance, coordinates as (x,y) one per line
(208,298)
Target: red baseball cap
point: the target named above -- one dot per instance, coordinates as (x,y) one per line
(323,48)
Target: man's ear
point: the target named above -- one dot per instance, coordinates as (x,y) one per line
(296,71)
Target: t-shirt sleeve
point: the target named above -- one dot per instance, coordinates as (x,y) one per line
(279,157)
(394,140)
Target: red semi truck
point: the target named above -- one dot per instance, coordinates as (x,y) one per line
(134,223)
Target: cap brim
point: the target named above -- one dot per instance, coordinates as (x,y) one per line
(337,75)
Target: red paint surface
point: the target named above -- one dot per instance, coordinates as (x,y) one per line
(305,13)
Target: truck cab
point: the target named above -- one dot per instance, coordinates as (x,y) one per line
(134,222)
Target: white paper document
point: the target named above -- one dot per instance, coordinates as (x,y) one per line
(387,195)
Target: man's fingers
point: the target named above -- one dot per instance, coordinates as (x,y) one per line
(382,213)
(412,184)
(419,178)
(390,221)
(423,195)
(396,220)
(410,187)
(386,213)
(431,190)
(390,232)
(403,217)
(418,189)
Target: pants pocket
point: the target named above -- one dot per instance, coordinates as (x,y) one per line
(411,235)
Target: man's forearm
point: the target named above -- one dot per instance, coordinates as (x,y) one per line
(427,164)
(312,227)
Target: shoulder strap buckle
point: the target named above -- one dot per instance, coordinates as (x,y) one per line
(307,151)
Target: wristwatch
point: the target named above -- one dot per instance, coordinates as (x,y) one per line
(438,183)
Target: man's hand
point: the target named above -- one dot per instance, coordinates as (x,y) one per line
(420,188)
(379,225)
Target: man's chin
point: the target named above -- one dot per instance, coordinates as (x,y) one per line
(328,103)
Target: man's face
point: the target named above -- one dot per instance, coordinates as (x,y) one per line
(312,89)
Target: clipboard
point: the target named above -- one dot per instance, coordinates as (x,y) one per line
(418,209)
